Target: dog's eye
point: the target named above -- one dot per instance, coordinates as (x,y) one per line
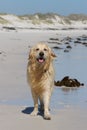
(45,49)
(37,49)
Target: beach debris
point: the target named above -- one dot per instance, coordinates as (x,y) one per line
(85,43)
(77,41)
(69,47)
(66,42)
(57,47)
(9,28)
(68,82)
(67,39)
(0,52)
(81,40)
(54,39)
(66,50)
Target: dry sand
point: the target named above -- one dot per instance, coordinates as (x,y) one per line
(14,49)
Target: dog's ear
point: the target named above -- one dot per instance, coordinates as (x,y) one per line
(30,54)
(53,54)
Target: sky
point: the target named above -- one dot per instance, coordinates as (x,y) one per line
(62,7)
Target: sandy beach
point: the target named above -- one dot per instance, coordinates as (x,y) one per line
(15,97)
(11,117)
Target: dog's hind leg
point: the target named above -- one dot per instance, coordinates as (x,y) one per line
(41,105)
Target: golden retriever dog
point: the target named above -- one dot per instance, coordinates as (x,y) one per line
(40,75)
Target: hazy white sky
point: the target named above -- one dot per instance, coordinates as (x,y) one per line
(62,7)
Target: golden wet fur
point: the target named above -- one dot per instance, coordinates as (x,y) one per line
(41,77)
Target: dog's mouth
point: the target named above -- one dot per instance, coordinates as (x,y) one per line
(40,60)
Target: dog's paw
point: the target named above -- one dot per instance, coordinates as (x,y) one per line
(34,113)
(47,116)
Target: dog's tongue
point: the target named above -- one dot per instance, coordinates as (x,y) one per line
(41,60)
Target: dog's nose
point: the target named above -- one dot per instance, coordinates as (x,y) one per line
(41,53)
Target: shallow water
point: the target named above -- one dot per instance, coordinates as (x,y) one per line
(73,64)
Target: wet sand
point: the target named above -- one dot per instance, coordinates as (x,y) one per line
(14,48)
(11,117)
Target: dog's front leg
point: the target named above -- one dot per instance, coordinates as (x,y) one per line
(47,115)
(35,99)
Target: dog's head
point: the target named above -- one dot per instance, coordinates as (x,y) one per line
(40,53)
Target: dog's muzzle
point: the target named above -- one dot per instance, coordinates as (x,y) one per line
(41,58)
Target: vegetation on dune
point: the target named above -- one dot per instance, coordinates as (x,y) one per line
(3,21)
(75,17)
(48,18)
(38,18)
